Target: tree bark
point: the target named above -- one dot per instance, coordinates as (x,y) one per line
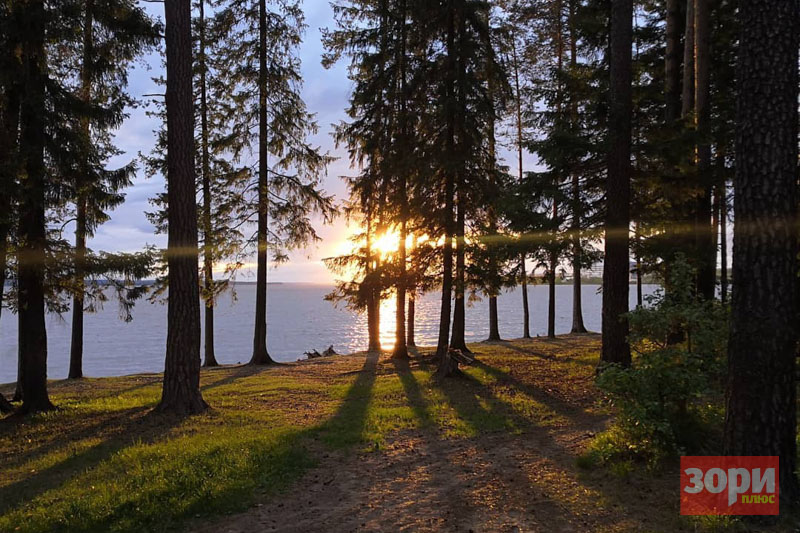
(551,283)
(672,62)
(615,347)
(208,244)
(260,354)
(31,256)
(577,208)
(706,252)
(400,348)
(723,244)
(687,96)
(447,366)
(526,327)
(457,339)
(181,391)
(76,345)
(761,416)
(412,309)
(526,315)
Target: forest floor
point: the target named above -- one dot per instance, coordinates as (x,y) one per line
(345,443)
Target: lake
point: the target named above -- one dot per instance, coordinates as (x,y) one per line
(298,320)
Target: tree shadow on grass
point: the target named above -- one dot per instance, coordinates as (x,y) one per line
(413,392)
(347,425)
(182,478)
(540,395)
(541,355)
(129,426)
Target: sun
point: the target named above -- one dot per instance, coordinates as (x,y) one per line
(386,243)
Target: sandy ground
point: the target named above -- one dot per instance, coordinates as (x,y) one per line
(420,481)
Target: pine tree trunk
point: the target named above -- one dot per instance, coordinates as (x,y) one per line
(526,328)
(208,244)
(181,391)
(260,354)
(412,309)
(400,349)
(687,91)
(447,366)
(723,245)
(76,345)
(577,208)
(761,396)
(3,263)
(706,253)
(32,234)
(494,326)
(577,258)
(616,266)
(551,283)
(526,315)
(672,63)
(457,339)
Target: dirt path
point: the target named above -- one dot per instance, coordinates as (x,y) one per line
(420,481)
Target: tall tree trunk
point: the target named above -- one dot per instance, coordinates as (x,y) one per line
(577,208)
(260,354)
(706,252)
(457,339)
(76,345)
(618,195)
(526,315)
(672,62)
(494,326)
(447,365)
(181,391)
(208,239)
(31,256)
(412,309)
(687,96)
(373,298)
(551,282)
(723,246)
(400,348)
(761,396)
(526,323)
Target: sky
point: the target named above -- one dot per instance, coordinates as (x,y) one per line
(325,92)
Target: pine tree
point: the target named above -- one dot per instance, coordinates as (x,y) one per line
(32,237)
(266,86)
(615,269)
(181,388)
(761,410)
(119,31)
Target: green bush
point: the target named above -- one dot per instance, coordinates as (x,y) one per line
(662,401)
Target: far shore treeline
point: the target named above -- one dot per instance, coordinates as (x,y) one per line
(654,126)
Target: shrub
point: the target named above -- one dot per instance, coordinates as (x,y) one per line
(679,342)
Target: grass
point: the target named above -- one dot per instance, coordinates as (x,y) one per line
(105,462)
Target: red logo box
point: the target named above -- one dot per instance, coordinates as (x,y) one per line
(729,485)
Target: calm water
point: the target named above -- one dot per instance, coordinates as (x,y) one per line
(298,320)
